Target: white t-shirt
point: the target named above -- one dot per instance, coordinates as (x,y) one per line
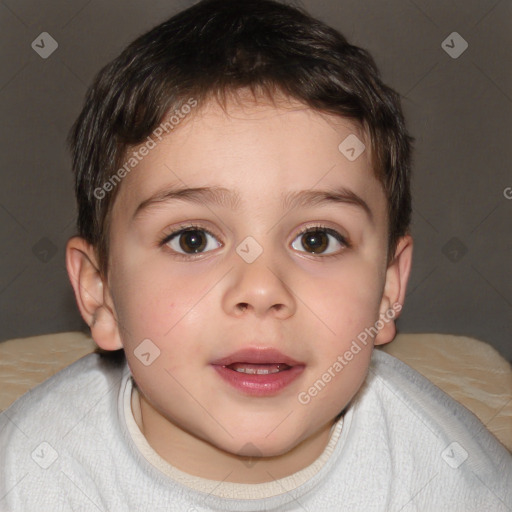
(73,444)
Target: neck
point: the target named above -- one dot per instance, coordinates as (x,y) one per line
(198,457)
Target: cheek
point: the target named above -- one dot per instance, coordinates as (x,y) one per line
(163,305)
(149,302)
(348,300)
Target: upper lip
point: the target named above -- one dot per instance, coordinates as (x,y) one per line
(262,355)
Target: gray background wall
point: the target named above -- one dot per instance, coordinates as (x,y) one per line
(459,110)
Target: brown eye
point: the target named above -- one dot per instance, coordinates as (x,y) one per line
(315,241)
(319,241)
(192,241)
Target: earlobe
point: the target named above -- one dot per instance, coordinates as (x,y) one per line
(92,294)
(397,276)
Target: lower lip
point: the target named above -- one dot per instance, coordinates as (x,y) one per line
(259,385)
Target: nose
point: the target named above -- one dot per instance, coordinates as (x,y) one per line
(259,288)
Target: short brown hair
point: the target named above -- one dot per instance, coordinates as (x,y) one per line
(218,47)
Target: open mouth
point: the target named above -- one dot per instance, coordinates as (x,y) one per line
(258,369)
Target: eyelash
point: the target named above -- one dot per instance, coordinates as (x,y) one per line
(312,228)
(182,229)
(338,236)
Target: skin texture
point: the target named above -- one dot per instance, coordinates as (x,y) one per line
(200,307)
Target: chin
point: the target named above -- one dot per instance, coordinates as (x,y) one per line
(259,445)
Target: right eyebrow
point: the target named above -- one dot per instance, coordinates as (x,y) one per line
(200,195)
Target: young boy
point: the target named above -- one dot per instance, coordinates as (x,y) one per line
(242,177)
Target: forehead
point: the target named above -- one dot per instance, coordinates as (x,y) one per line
(254,148)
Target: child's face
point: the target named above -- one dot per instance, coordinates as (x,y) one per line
(201,307)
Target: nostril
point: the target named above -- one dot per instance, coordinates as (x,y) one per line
(243,306)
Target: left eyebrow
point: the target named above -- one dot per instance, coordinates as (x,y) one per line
(341,195)
(231,199)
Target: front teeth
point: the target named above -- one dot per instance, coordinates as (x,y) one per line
(253,371)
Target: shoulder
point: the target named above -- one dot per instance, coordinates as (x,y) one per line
(68,391)
(393,381)
(65,395)
(55,423)
(51,410)
(428,435)
(391,378)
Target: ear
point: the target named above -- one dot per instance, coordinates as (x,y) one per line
(92,293)
(397,276)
